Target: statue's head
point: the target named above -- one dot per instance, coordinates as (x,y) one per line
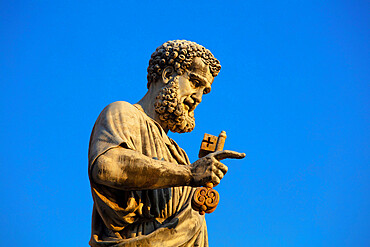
(186,70)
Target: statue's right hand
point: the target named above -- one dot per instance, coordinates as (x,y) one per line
(210,169)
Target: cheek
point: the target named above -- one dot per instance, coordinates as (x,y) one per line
(185,88)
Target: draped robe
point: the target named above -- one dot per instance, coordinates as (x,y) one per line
(158,217)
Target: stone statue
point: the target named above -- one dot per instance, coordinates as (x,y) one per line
(141,180)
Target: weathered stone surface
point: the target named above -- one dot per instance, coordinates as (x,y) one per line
(142,182)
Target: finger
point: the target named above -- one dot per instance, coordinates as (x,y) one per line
(222,167)
(219,174)
(215,180)
(227,154)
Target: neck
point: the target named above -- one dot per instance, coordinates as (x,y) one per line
(147,103)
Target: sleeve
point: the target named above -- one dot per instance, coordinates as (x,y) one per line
(117,125)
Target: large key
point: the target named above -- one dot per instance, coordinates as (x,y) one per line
(205,199)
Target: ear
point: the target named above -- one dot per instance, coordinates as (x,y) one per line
(168,74)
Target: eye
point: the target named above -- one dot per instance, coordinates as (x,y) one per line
(196,83)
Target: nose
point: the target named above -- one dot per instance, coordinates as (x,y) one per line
(197,96)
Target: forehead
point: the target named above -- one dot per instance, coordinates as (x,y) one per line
(199,68)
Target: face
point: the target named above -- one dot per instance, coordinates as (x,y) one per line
(193,84)
(177,101)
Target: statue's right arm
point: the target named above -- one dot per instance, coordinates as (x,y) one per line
(125,169)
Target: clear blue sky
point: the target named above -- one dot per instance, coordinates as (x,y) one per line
(293,94)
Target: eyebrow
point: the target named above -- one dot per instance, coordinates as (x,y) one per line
(200,78)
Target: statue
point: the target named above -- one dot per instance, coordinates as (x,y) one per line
(142,182)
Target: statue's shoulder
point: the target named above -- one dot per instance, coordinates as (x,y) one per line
(120,107)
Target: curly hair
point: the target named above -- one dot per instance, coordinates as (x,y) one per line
(179,54)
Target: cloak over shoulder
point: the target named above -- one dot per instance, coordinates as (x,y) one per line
(160,217)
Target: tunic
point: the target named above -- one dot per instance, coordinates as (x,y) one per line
(159,217)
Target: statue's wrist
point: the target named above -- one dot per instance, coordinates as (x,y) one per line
(189,177)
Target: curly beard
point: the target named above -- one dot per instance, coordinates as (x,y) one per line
(171,111)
